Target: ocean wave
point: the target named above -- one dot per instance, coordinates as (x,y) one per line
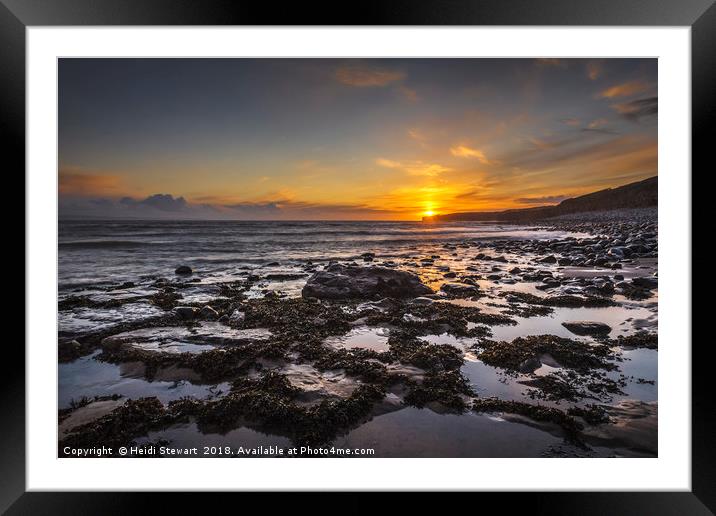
(104,244)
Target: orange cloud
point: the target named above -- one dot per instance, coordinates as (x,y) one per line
(416,134)
(626,89)
(387,163)
(367,77)
(86,184)
(414,168)
(463,151)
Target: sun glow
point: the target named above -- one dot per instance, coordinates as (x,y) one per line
(429,213)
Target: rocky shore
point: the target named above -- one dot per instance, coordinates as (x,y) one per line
(540,333)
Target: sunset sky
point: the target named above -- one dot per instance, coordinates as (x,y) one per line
(347,139)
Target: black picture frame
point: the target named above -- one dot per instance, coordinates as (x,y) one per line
(700,15)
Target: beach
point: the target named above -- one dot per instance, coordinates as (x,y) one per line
(409,339)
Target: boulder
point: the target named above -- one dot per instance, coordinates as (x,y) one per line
(587,327)
(208,312)
(460,289)
(185,312)
(646,282)
(183,270)
(344,282)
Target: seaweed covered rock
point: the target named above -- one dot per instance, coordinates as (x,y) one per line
(344,282)
(460,290)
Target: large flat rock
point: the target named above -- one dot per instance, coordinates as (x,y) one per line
(345,282)
(180,339)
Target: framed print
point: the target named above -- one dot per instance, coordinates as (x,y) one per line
(437,248)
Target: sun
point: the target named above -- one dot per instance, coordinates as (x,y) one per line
(429,213)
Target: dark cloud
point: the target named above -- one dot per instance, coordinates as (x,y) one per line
(163,202)
(166,206)
(157,206)
(635,110)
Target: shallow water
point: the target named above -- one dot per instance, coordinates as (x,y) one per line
(89,377)
(614,316)
(188,436)
(413,432)
(373,338)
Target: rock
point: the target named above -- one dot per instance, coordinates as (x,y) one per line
(208,312)
(617,252)
(343,282)
(383,305)
(587,327)
(237,318)
(69,351)
(183,270)
(368,257)
(548,259)
(185,312)
(460,289)
(645,282)
(450,275)
(422,301)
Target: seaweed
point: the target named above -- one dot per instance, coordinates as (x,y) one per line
(642,339)
(591,414)
(408,349)
(566,301)
(269,402)
(133,419)
(448,388)
(571,386)
(572,354)
(569,424)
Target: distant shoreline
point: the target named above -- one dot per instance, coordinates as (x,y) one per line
(641,194)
